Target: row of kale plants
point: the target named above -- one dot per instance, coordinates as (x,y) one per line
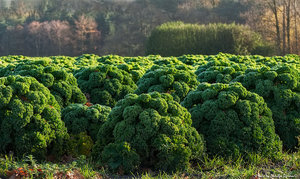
(163,113)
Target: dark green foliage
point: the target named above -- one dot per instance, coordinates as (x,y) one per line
(29,118)
(11,59)
(105,84)
(65,62)
(62,85)
(145,62)
(280,87)
(131,67)
(167,61)
(233,120)
(149,131)
(265,49)
(120,156)
(177,82)
(219,70)
(79,144)
(134,69)
(111,59)
(193,60)
(276,79)
(274,61)
(83,118)
(248,60)
(86,60)
(177,38)
(150,128)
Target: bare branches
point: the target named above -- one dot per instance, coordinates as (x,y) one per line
(87,33)
(277,21)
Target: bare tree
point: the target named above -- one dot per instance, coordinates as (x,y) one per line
(14,40)
(34,29)
(296,26)
(288,26)
(50,37)
(87,33)
(284,29)
(60,34)
(274,8)
(277,21)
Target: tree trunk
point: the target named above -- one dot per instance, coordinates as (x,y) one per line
(288,26)
(275,11)
(59,46)
(296,28)
(284,30)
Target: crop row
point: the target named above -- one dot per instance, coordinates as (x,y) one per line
(154,112)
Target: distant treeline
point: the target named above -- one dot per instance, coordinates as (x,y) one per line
(74,27)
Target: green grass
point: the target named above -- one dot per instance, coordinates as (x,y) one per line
(285,165)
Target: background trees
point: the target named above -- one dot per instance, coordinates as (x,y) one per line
(276,20)
(73,27)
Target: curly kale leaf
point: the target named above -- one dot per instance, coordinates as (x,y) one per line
(157,129)
(233,120)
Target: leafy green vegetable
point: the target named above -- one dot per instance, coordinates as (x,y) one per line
(177,82)
(233,120)
(105,84)
(83,118)
(62,84)
(29,118)
(151,128)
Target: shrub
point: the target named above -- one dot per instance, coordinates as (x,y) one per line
(105,84)
(177,38)
(265,49)
(149,130)
(85,118)
(170,80)
(29,118)
(233,120)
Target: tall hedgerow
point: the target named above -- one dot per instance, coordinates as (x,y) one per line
(178,38)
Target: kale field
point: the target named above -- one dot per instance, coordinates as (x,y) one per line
(166,117)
